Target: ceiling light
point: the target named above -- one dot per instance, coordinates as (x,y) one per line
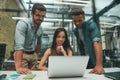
(46,19)
(67,3)
(85,2)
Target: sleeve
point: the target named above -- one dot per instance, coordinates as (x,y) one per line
(20,33)
(94,32)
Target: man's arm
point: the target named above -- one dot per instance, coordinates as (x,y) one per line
(98,53)
(20,31)
(18,63)
(38,47)
(98,69)
(18,59)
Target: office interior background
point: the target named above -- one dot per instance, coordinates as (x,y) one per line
(106,14)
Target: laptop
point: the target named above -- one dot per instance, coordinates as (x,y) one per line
(67,66)
(113,75)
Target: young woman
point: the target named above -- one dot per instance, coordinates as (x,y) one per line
(60,47)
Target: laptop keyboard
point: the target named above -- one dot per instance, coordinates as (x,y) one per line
(113,75)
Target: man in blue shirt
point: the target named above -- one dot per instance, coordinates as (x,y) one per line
(28,40)
(89,40)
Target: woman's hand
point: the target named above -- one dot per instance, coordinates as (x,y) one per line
(60,49)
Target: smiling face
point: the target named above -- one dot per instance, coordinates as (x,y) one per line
(38,17)
(78,20)
(60,39)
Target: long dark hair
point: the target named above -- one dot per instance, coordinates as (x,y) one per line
(66,43)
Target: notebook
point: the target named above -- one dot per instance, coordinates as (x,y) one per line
(113,75)
(67,66)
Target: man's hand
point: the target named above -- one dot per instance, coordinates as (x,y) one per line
(97,70)
(23,71)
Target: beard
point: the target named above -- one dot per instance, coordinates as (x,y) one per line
(37,22)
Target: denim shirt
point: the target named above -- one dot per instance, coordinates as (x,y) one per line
(91,34)
(26,38)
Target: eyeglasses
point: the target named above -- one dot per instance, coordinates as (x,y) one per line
(40,16)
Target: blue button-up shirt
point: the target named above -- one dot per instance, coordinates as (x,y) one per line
(91,33)
(26,37)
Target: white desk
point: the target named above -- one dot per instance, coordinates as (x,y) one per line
(42,75)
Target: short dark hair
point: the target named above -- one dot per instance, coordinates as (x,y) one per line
(77,11)
(38,6)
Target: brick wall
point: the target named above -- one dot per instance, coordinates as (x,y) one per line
(7,24)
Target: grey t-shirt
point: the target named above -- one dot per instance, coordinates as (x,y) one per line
(81,35)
